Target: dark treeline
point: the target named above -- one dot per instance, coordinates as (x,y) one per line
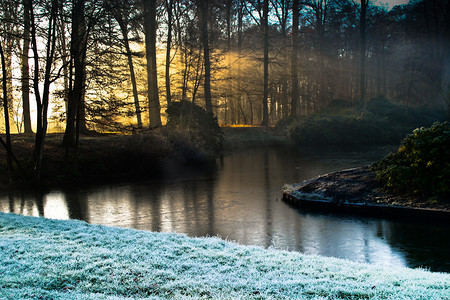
(115,65)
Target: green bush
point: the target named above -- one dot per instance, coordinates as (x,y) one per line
(421,165)
(201,126)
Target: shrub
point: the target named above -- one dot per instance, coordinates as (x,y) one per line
(421,165)
(202,126)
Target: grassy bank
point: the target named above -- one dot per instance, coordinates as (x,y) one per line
(43,259)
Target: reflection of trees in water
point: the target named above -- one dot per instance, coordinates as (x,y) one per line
(198,207)
(421,244)
(76,205)
(40,204)
(267,199)
(22,203)
(11,202)
(155,201)
(185,208)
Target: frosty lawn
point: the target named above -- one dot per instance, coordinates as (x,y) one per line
(75,260)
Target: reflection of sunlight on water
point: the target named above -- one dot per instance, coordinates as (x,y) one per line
(19,205)
(171,216)
(347,239)
(52,205)
(111,206)
(55,206)
(382,254)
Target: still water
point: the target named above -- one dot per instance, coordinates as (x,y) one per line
(239,199)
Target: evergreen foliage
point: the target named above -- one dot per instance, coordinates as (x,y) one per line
(202,126)
(421,165)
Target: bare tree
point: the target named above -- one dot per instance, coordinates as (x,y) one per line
(6,114)
(121,11)
(169,8)
(78,49)
(25,69)
(265,120)
(150,26)
(294,57)
(42,102)
(207,64)
(363,37)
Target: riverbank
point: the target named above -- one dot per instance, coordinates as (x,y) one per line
(358,190)
(103,158)
(44,258)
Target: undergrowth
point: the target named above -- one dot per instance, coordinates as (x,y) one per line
(381,122)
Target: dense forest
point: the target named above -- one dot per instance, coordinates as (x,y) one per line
(114,66)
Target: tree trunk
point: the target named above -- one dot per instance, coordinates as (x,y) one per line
(64,57)
(76,90)
(6,113)
(198,76)
(124,29)
(9,38)
(169,6)
(265,119)
(186,71)
(229,99)
(25,70)
(362,31)
(446,77)
(294,58)
(42,103)
(239,97)
(204,28)
(150,27)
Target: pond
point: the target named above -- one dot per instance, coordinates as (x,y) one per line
(239,199)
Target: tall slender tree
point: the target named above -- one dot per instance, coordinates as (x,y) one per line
(9,14)
(294,58)
(169,8)
(363,42)
(6,114)
(121,11)
(265,119)
(239,50)
(204,7)
(42,103)
(280,106)
(78,48)
(150,26)
(25,71)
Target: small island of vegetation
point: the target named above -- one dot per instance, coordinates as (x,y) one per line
(414,178)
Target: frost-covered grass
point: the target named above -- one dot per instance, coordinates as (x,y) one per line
(42,258)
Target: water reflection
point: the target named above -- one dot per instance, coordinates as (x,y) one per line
(240,200)
(35,204)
